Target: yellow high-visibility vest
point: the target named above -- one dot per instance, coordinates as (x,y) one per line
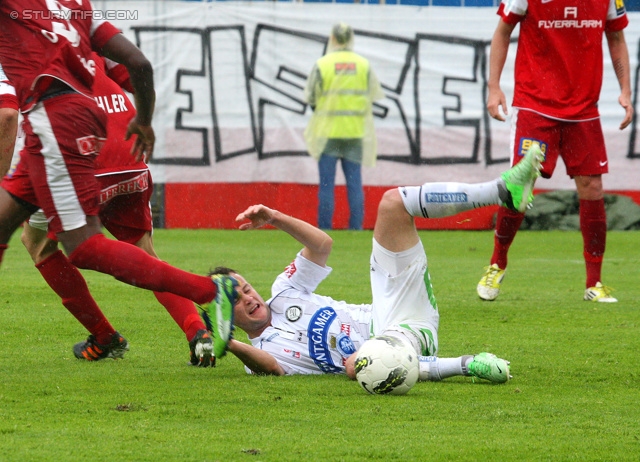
(344,99)
(342,88)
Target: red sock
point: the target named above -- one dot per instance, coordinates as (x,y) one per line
(134,266)
(3,247)
(183,312)
(593,224)
(507,225)
(68,283)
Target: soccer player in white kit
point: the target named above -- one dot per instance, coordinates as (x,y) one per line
(300,332)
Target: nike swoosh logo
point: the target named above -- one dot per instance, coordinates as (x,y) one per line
(546,1)
(602,164)
(498,367)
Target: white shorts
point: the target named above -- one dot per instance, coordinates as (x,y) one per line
(403,298)
(39,221)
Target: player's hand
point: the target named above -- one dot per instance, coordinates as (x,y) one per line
(495,101)
(625,102)
(142,148)
(258,216)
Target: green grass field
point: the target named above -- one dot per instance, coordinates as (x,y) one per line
(574,395)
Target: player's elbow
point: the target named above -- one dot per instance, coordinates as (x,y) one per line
(138,65)
(8,118)
(349,367)
(272,369)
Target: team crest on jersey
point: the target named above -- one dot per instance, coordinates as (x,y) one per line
(344,345)
(620,9)
(90,145)
(526,143)
(293,313)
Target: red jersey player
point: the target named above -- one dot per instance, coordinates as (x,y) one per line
(124,210)
(47,57)
(555,106)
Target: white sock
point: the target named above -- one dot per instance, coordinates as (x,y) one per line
(435,369)
(436,200)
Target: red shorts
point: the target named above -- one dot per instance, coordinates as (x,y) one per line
(125,210)
(19,184)
(580,144)
(63,135)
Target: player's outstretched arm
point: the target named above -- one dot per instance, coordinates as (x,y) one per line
(259,361)
(620,59)
(317,244)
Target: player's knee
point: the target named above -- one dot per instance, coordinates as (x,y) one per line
(391,202)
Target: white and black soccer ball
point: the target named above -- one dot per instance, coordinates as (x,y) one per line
(385,365)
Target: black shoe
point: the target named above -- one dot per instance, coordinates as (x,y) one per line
(201,348)
(93,351)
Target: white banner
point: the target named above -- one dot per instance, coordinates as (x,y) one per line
(229,79)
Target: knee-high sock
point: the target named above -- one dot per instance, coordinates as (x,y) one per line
(68,283)
(134,266)
(593,224)
(183,312)
(436,200)
(507,225)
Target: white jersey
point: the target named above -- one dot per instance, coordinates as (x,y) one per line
(310,333)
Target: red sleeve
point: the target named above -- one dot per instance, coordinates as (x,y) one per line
(8,99)
(120,75)
(617,24)
(8,102)
(509,18)
(102,35)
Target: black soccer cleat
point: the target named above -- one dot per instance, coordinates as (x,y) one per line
(201,349)
(93,351)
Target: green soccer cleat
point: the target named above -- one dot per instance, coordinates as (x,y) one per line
(218,314)
(489,367)
(489,286)
(520,178)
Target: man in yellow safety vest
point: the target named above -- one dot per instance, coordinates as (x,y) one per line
(341,89)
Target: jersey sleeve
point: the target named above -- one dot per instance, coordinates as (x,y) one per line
(8,98)
(513,11)
(616,16)
(101,33)
(301,274)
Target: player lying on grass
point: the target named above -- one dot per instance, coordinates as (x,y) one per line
(298,331)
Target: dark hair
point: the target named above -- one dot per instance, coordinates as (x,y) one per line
(224,270)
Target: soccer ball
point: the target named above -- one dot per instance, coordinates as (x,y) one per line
(385,365)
